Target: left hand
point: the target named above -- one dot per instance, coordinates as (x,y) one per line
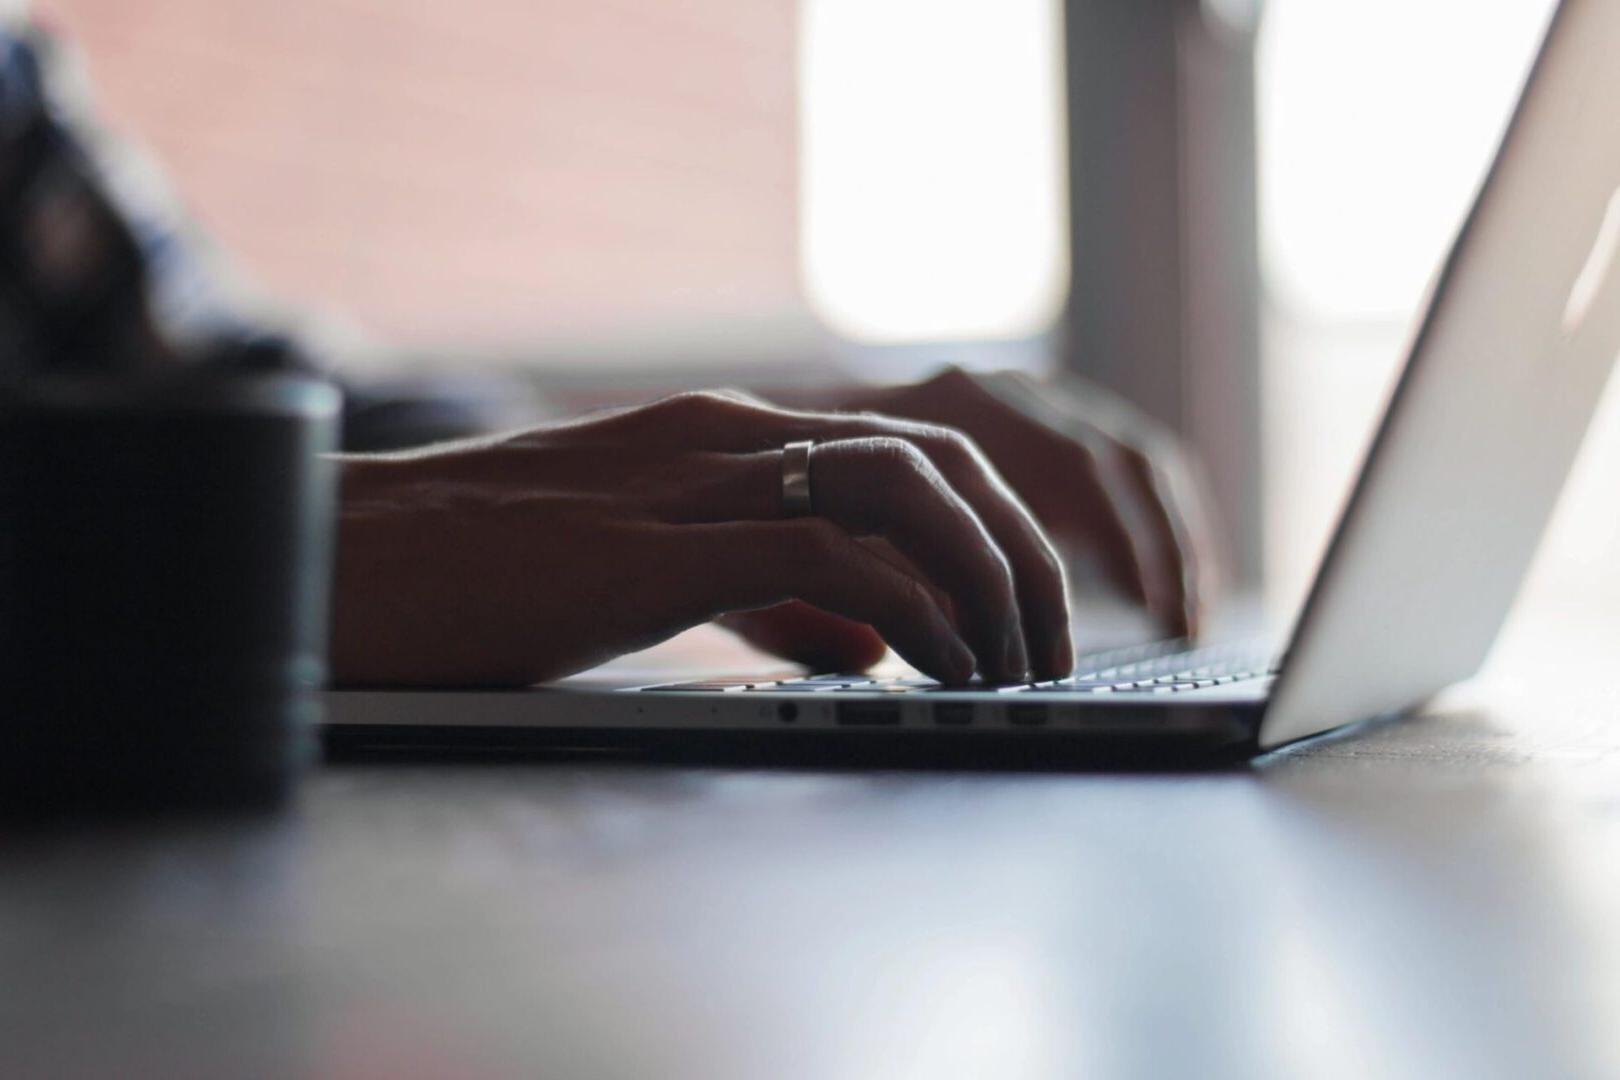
(524,557)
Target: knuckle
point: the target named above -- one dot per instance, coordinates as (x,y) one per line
(897,457)
(1086,458)
(694,404)
(1002,572)
(951,444)
(1132,451)
(736,395)
(953,376)
(1140,460)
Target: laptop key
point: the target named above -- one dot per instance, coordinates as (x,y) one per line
(831,682)
(701,687)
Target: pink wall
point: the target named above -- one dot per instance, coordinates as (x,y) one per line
(487,171)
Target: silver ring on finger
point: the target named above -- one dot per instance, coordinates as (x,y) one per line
(796,480)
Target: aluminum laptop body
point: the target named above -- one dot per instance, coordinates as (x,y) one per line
(1499,386)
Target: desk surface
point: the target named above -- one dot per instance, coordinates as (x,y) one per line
(1438,897)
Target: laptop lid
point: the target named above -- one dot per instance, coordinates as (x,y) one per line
(1500,384)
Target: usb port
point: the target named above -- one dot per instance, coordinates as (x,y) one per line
(956,713)
(869,713)
(1026,715)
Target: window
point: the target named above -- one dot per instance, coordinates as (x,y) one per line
(933,168)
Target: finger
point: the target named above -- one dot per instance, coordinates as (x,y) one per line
(886,551)
(1103,516)
(1038,579)
(1158,576)
(884,487)
(1039,590)
(1107,508)
(1177,553)
(888,487)
(746,565)
(1167,546)
(1083,494)
(824,641)
(806,635)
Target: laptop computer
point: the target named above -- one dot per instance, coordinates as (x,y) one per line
(1509,360)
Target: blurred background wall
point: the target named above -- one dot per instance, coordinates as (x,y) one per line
(480,173)
(849,177)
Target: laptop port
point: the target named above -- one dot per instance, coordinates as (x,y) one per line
(954,713)
(1026,715)
(869,713)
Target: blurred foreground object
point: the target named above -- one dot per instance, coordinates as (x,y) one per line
(164,564)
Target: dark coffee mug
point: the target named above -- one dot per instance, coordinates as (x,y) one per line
(164,570)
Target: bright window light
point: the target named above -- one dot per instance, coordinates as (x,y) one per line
(1377,120)
(932,167)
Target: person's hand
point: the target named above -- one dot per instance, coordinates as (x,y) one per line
(1101,478)
(522,558)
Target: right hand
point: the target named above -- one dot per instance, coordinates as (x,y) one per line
(527,557)
(1102,479)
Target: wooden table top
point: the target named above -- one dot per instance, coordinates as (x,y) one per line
(1434,897)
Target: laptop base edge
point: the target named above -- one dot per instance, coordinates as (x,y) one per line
(1209,746)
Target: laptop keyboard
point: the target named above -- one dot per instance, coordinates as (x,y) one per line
(1164,667)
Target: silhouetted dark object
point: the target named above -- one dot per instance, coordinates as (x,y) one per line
(164,565)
